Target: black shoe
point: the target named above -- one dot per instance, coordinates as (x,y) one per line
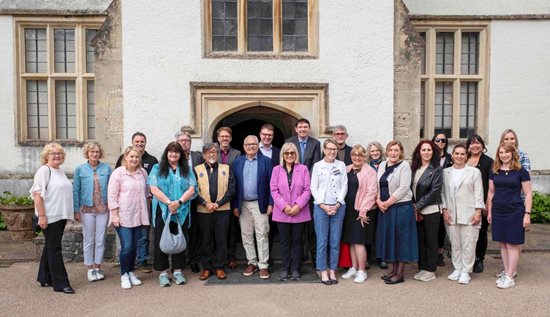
(327,282)
(334,281)
(440,260)
(386,277)
(295,276)
(383,265)
(391,282)
(45,284)
(478,266)
(284,275)
(195,268)
(270,262)
(66,290)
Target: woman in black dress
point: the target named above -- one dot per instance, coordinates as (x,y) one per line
(360,207)
(507,212)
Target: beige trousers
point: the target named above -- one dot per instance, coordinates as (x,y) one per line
(253,222)
(463,244)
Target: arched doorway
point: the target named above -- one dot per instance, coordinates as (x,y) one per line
(249,121)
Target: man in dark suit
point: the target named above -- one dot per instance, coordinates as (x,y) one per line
(309,150)
(193,159)
(253,204)
(227,156)
(340,134)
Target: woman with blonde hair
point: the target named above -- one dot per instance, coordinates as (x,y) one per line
(53,201)
(510,136)
(90,207)
(508,213)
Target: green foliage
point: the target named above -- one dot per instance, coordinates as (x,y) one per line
(540,212)
(9,199)
(3,225)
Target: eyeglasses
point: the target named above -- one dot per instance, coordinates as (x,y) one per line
(56,154)
(266,134)
(339,134)
(331,149)
(251,144)
(357,155)
(440,140)
(289,153)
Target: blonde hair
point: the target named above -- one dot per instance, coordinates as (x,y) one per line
(398,143)
(327,141)
(127,151)
(90,145)
(379,147)
(515,137)
(359,149)
(285,148)
(48,148)
(508,148)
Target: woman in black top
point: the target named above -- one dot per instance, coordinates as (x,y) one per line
(445,160)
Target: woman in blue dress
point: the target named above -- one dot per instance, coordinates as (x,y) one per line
(508,213)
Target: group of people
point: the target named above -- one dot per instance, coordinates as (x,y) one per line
(313,195)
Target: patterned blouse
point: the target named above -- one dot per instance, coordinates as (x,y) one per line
(98,206)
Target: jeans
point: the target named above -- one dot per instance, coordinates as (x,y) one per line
(143,244)
(328,230)
(128,245)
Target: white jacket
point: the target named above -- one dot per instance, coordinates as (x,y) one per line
(325,176)
(461,202)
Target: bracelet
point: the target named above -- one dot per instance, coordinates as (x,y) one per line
(528,212)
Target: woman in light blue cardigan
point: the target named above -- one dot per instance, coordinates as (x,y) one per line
(90,207)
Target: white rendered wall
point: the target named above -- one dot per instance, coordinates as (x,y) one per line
(477,7)
(520,87)
(163,48)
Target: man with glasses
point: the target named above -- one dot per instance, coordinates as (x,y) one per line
(340,134)
(267,131)
(253,205)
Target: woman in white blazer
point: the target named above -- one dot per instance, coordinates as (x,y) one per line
(462,202)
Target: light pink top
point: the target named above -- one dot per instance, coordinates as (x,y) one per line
(129,194)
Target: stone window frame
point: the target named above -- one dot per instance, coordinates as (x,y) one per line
(277,53)
(80,76)
(429,77)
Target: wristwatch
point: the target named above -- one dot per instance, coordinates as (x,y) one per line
(180,201)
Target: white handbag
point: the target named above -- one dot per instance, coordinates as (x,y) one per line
(172,243)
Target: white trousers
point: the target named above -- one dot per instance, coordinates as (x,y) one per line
(94,226)
(463,243)
(253,222)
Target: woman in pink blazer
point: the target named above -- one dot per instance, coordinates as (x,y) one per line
(290,190)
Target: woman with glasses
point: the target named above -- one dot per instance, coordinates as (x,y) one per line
(358,231)
(290,189)
(329,185)
(445,160)
(477,158)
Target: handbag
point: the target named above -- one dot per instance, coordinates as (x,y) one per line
(172,243)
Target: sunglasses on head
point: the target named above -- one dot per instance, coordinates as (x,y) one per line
(440,140)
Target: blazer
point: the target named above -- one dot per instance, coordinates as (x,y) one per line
(264,174)
(83,184)
(461,202)
(298,193)
(428,188)
(313,151)
(365,199)
(233,154)
(196,158)
(400,181)
(448,162)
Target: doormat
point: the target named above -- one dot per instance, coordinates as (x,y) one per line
(309,275)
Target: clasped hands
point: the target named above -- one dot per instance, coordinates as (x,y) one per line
(291,211)
(330,210)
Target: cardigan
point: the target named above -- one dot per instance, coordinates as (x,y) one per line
(365,199)
(399,182)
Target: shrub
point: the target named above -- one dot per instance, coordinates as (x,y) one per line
(540,212)
(8,199)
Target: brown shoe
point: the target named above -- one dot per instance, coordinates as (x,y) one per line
(264,274)
(250,269)
(205,275)
(220,274)
(232,264)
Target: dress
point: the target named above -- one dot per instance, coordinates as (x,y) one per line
(353,232)
(507,206)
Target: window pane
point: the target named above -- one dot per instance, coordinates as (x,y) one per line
(260,25)
(90,34)
(65,109)
(36,46)
(468,109)
(37,109)
(444,107)
(224,25)
(422,107)
(469,56)
(295,25)
(444,52)
(423,54)
(90,98)
(64,50)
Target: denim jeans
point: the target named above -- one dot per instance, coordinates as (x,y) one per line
(328,230)
(128,245)
(143,245)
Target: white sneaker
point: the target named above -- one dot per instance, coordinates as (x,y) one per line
(100,275)
(464,278)
(502,273)
(428,276)
(125,281)
(134,280)
(418,275)
(360,277)
(454,276)
(506,282)
(92,277)
(349,274)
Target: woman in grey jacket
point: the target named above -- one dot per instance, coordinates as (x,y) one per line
(426,187)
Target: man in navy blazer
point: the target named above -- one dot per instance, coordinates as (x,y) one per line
(267,131)
(253,204)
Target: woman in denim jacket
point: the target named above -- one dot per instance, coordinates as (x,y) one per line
(90,207)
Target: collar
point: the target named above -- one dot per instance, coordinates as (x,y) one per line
(254,158)
(266,148)
(302,140)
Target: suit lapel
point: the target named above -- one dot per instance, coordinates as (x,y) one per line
(463,176)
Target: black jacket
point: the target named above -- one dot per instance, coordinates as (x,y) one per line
(428,188)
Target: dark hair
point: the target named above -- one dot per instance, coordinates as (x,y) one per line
(417,159)
(139,134)
(164,167)
(446,142)
(303,120)
(472,138)
(461,146)
(226,129)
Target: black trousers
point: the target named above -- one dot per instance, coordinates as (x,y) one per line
(234,233)
(427,230)
(213,229)
(310,237)
(290,236)
(52,269)
(194,243)
(481,246)
(162,261)
(442,233)
(273,230)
